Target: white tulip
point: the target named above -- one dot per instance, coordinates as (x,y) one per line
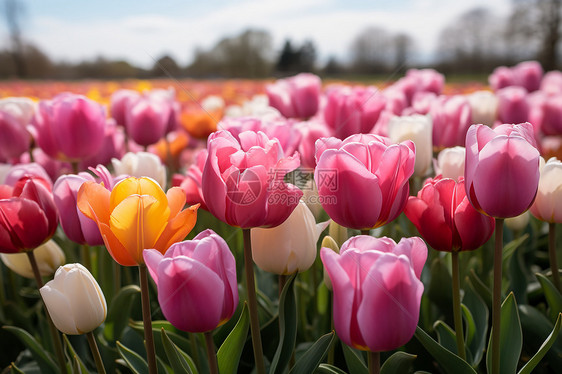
(484,105)
(519,222)
(416,128)
(141,164)
(289,247)
(450,163)
(49,257)
(74,300)
(21,108)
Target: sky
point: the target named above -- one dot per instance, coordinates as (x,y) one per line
(141,31)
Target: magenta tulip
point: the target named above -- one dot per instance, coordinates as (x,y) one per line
(528,74)
(551,116)
(243,181)
(75,224)
(451,118)
(69,127)
(377,291)
(196,281)
(17,172)
(29,217)
(113,146)
(501,77)
(146,120)
(363,180)
(353,110)
(15,139)
(513,105)
(119,102)
(445,218)
(295,97)
(501,169)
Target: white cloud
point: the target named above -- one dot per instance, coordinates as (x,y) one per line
(141,38)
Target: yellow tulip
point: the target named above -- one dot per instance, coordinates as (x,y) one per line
(137,215)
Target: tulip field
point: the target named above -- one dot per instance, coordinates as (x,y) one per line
(296,225)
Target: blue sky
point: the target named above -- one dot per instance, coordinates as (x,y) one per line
(140,31)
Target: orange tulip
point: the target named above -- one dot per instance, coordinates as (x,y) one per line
(137,215)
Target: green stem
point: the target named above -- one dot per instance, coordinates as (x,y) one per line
(86,259)
(116,277)
(75,167)
(552,255)
(332,351)
(147,320)
(54,333)
(374,362)
(497,296)
(211,355)
(457,305)
(194,348)
(253,303)
(95,352)
(282,280)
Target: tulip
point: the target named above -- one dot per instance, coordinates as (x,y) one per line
(243,181)
(257,107)
(29,217)
(118,105)
(424,80)
(53,167)
(377,291)
(445,218)
(513,105)
(17,172)
(501,169)
(416,128)
(548,203)
(295,97)
(75,224)
(353,110)
(363,180)
(136,215)
(21,108)
(528,74)
(311,131)
(191,183)
(451,117)
(551,116)
(501,77)
(551,83)
(289,247)
(147,120)
(74,300)
(69,127)
(49,257)
(450,163)
(519,222)
(484,106)
(330,243)
(113,147)
(15,139)
(141,164)
(196,280)
(421,102)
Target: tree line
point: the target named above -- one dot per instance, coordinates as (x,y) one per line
(475,42)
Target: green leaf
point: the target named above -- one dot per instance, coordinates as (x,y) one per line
(74,355)
(45,362)
(511,338)
(470,324)
(310,359)
(322,299)
(553,297)
(446,336)
(439,289)
(536,327)
(399,362)
(354,360)
(479,312)
(481,288)
(119,312)
(329,369)
(449,361)
(534,361)
(175,358)
(181,341)
(134,362)
(228,355)
(287,328)
(510,248)
(15,370)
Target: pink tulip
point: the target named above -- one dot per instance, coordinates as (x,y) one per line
(196,280)
(451,118)
(445,218)
(528,74)
(353,110)
(15,138)
(310,131)
(295,97)
(243,181)
(191,183)
(113,146)
(54,168)
(424,80)
(17,172)
(69,127)
(501,77)
(377,291)
(29,217)
(551,83)
(501,169)
(396,100)
(551,119)
(421,102)
(513,105)
(119,102)
(363,180)
(75,224)
(146,120)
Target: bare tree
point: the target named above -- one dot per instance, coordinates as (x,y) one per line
(13,10)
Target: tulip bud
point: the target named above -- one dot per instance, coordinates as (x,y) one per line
(49,257)
(338,233)
(289,247)
(141,164)
(517,223)
(329,242)
(416,128)
(450,163)
(74,300)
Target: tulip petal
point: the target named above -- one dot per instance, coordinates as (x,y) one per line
(118,251)
(184,284)
(176,200)
(58,306)
(17,217)
(177,228)
(93,201)
(135,186)
(152,259)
